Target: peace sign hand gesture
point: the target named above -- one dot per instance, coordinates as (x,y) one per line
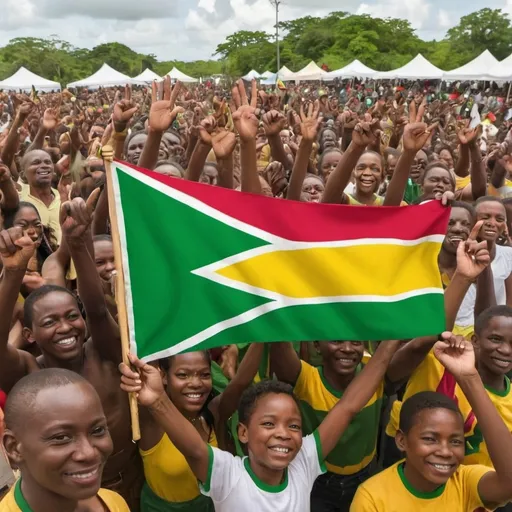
(416,135)
(366,134)
(472,256)
(163,112)
(124,110)
(244,117)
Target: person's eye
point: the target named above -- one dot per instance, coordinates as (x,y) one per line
(457,442)
(48,323)
(181,375)
(206,375)
(267,424)
(99,263)
(100,431)
(73,316)
(60,439)
(428,439)
(295,427)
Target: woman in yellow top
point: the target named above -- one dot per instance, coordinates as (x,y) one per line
(57,436)
(170,483)
(432,477)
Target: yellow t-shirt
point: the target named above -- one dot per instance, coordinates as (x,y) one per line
(49,214)
(167,471)
(493,191)
(461,183)
(389,491)
(378,201)
(356,447)
(15,502)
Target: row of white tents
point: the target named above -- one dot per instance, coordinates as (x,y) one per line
(484,67)
(106,76)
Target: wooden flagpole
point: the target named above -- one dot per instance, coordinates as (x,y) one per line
(120,295)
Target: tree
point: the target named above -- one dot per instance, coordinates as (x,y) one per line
(487,29)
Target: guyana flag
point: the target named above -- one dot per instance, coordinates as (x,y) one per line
(205,266)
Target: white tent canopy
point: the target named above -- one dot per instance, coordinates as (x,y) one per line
(418,68)
(147,75)
(252,74)
(105,77)
(270,80)
(502,70)
(285,74)
(311,72)
(356,69)
(267,74)
(24,79)
(477,69)
(176,74)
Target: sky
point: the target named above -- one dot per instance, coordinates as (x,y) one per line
(191,29)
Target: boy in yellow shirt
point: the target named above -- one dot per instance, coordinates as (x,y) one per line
(432,477)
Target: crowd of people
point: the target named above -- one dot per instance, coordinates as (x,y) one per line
(396,425)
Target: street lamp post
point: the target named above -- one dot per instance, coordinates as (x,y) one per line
(276,4)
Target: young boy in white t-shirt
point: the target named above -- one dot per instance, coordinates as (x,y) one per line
(279,472)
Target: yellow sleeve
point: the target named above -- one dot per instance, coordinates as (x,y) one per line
(363,502)
(114,501)
(471,476)
(306,376)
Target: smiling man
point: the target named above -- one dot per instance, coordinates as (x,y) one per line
(37,166)
(61,456)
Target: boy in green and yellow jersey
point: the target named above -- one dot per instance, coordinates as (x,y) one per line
(319,390)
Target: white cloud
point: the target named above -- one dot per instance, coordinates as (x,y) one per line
(416,11)
(207,5)
(444,19)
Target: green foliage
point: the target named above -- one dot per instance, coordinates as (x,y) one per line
(334,40)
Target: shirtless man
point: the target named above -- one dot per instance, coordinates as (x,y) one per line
(53,321)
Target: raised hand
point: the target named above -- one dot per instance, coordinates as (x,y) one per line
(469,135)
(366,134)
(274,122)
(25,109)
(76,216)
(275,174)
(416,113)
(244,117)
(163,112)
(223,142)
(124,110)
(416,135)
(310,123)
(145,382)
(206,129)
(472,256)
(456,354)
(16,249)
(50,119)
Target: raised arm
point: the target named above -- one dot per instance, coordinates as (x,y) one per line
(161,116)
(274,122)
(457,355)
(359,391)
(10,196)
(246,124)
(16,249)
(410,356)
(75,218)
(415,137)
(477,169)
(202,149)
(285,362)
(223,143)
(48,122)
(309,125)
(146,382)
(363,135)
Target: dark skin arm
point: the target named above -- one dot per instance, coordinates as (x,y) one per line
(202,149)
(410,356)
(54,267)
(48,122)
(285,362)
(363,135)
(76,217)
(415,137)
(161,116)
(477,170)
(15,252)
(13,138)
(223,143)
(10,196)
(246,124)
(457,355)
(485,294)
(274,122)
(100,219)
(309,129)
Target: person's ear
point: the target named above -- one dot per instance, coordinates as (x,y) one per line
(401,441)
(28,335)
(12,448)
(243,433)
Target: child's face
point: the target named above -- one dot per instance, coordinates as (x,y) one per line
(494,346)
(274,432)
(434,446)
